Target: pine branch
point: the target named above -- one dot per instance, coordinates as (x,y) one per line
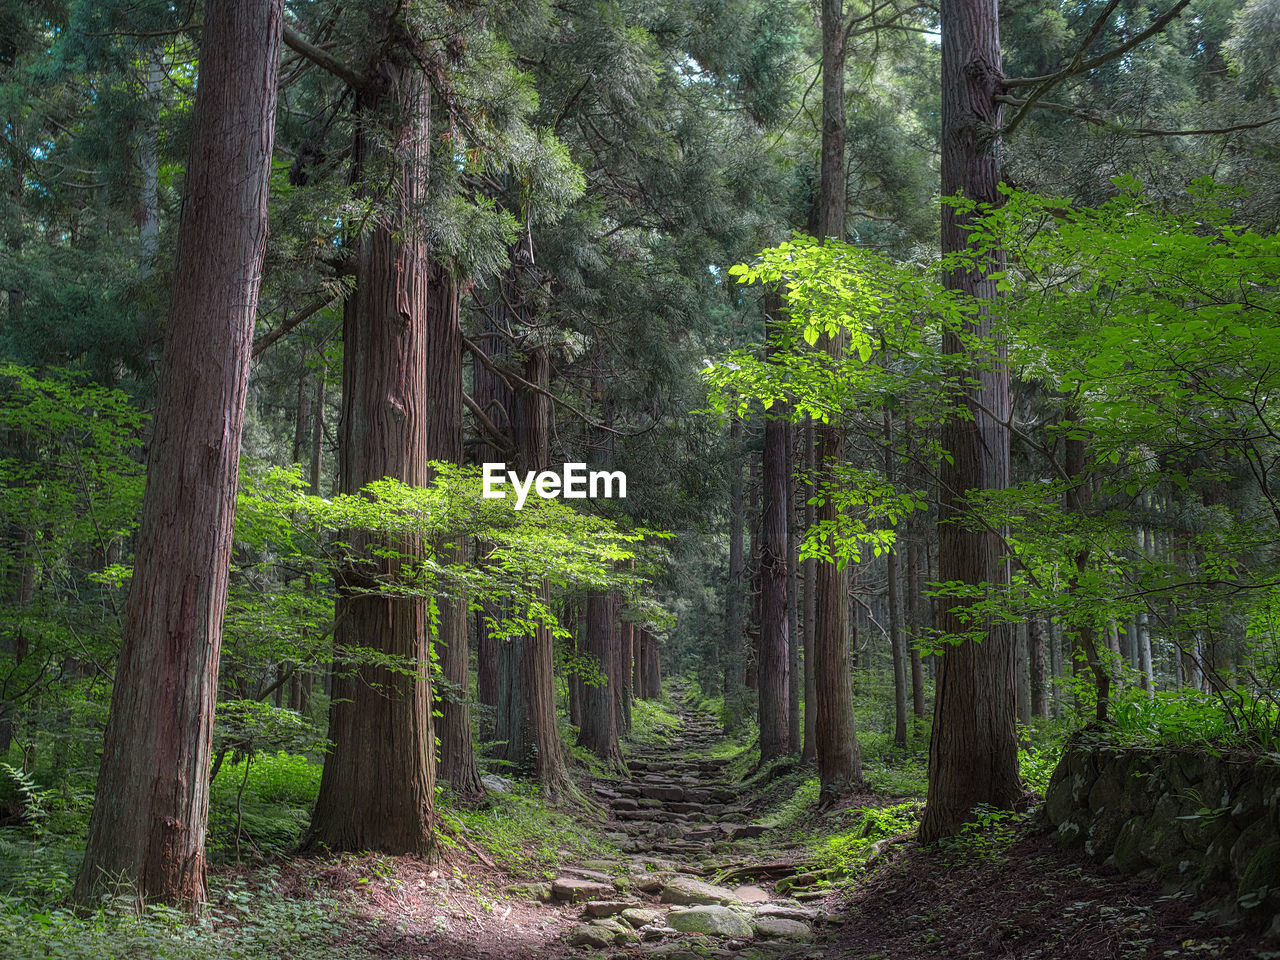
(1077,66)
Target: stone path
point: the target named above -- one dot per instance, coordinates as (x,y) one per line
(674,815)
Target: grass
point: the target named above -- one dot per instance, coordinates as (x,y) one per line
(526,837)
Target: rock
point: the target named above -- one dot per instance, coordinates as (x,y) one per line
(780,928)
(650,882)
(751,830)
(607,908)
(711,920)
(575,889)
(587,872)
(641,916)
(687,890)
(788,911)
(496,784)
(749,893)
(662,791)
(590,935)
(1259,886)
(530,891)
(1128,851)
(625,803)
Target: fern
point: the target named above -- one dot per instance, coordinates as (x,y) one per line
(33,797)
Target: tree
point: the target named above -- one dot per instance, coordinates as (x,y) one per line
(835,739)
(773,685)
(973,755)
(378,785)
(149,817)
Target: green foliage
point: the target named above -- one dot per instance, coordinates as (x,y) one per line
(846,853)
(525,836)
(245,921)
(652,721)
(264,799)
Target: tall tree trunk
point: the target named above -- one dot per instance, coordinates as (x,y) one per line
(626,652)
(1035,655)
(599,730)
(839,759)
(897,642)
(377,789)
(775,494)
(536,741)
(915,617)
(731,652)
(150,812)
(653,670)
(973,755)
(444,442)
(810,571)
(794,667)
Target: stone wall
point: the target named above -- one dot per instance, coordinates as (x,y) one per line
(1196,821)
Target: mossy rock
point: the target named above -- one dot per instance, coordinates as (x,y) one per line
(1081,762)
(1107,791)
(1059,804)
(1252,837)
(1161,842)
(1072,832)
(1215,863)
(1103,832)
(1258,892)
(1127,850)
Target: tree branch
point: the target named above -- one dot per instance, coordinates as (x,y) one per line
(305,313)
(1101,121)
(1076,66)
(324,59)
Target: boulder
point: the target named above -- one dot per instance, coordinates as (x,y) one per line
(607,908)
(641,916)
(496,784)
(710,920)
(690,891)
(576,889)
(780,928)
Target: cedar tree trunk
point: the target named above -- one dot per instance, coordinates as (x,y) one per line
(150,812)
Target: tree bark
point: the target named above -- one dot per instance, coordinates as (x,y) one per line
(731,652)
(973,755)
(535,741)
(378,785)
(147,830)
(839,759)
(772,649)
(897,642)
(599,730)
(809,569)
(915,619)
(1036,657)
(443,442)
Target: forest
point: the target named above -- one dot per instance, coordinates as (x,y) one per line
(679,479)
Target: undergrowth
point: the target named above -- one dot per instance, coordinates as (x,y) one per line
(525,836)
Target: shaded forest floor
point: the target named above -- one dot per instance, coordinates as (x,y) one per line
(683,832)
(692,853)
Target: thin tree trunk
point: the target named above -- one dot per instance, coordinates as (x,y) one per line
(897,642)
(1035,655)
(794,667)
(809,568)
(775,494)
(731,652)
(147,829)
(536,743)
(916,621)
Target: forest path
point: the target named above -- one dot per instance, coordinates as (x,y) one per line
(681,822)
